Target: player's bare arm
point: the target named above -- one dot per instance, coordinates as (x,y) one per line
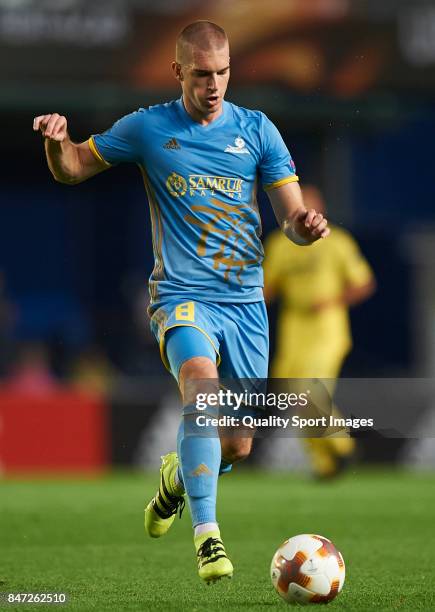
(300,225)
(69,163)
(352,296)
(356,294)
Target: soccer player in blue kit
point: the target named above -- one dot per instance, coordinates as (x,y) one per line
(201,158)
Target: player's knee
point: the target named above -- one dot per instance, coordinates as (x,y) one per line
(198,375)
(198,368)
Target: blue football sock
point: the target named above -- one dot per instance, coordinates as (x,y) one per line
(224,468)
(199,453)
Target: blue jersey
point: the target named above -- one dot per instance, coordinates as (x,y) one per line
(201,183)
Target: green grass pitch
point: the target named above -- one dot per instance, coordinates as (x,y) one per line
(85,538)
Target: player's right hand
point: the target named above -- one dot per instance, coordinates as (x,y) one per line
(52,126)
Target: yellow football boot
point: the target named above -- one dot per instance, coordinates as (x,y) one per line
(213,563)
(169,499)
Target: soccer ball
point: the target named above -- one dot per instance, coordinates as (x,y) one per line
(307,569)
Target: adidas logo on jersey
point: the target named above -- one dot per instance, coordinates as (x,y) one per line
(172,144)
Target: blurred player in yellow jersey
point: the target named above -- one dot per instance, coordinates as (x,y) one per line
(315,286)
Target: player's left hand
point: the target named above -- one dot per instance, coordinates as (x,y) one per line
(311,225)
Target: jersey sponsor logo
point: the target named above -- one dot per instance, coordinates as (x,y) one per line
(172,144)
(204,185)
(176,185)
(238,147)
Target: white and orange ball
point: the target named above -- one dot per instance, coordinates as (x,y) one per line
(307,569)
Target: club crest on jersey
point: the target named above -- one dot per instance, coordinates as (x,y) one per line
(238,147)
(176,185)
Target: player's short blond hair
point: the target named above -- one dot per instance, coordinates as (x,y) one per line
(204,35)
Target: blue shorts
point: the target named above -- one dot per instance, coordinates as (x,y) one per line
(235,336)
